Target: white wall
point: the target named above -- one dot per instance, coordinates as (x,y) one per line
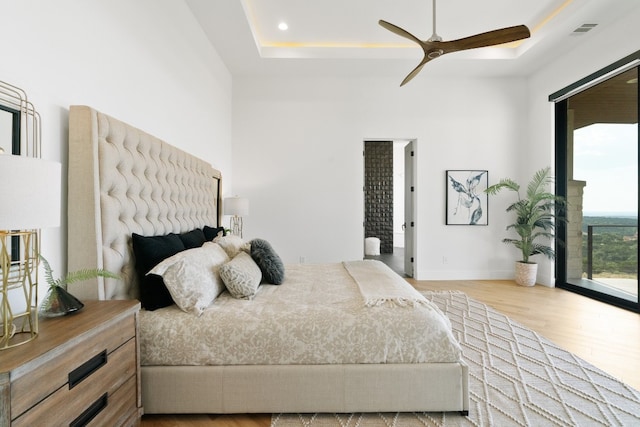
(298,158)
(146,62)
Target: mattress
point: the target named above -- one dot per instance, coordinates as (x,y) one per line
(319,315)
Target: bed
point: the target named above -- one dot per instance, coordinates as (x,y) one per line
(125,184)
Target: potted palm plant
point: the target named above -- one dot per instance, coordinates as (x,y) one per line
(535,218)
(57,301)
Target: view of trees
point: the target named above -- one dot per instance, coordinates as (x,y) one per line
(615,249)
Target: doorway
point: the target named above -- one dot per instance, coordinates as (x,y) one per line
(388,202)
(597,152)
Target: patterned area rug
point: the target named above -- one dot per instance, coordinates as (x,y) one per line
(516,378)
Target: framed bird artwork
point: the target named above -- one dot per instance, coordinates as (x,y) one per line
(466,199)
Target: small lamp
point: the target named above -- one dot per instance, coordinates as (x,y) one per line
(29,200)
(237,207)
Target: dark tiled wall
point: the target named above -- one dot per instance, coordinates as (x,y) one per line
(378,192)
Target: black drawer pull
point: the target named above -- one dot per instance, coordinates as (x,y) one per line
(87,368)
(89,413)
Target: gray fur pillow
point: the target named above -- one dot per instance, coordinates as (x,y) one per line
(268,260)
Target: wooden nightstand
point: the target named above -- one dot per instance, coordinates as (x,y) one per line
(82,368)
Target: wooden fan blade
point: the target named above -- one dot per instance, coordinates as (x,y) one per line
(415,71)
(424,45)
(490,38)
(399,31)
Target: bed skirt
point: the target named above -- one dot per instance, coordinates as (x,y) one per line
(428,387)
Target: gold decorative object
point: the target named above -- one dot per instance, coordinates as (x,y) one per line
(19,281)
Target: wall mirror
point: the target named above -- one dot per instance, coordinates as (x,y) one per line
(19,122)
(10,144)
(9,129)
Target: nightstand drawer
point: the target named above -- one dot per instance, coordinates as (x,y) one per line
(91,396)
(121,409)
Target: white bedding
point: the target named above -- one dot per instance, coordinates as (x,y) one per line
(317,316)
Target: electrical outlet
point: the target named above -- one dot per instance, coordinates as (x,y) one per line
(445,260)
(301,260)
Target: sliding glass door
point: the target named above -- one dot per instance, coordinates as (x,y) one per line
(597,170)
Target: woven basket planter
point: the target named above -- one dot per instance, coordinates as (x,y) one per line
(526,273)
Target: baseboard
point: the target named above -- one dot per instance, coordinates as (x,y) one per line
(464,275)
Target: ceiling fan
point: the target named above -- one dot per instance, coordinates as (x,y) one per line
(434,47)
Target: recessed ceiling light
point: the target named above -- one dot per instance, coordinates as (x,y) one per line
(283,26)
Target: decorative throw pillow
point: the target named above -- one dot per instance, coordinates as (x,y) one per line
(211,233)
(150,251)
(241,276)
(193,239)
(192,276)
(268,260)
(232,244)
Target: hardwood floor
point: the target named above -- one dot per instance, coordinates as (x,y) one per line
(240,420)
(606,336)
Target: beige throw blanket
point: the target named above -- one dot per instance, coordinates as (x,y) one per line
(379,285)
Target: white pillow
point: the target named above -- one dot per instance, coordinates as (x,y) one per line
(241,276)
(232,244)
(192,276)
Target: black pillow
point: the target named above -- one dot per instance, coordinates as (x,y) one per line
(193,239)
(211,233)
(268,260)
(149,252)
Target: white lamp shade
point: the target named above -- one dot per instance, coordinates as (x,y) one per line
(29,193)
(236,206)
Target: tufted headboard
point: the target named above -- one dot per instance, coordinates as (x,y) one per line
(123,181)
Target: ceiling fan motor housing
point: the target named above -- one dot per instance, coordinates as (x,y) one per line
(434,53)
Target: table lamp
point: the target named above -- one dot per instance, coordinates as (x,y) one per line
(237,207)
(30,198)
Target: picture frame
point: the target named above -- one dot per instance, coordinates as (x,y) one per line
(466,201)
